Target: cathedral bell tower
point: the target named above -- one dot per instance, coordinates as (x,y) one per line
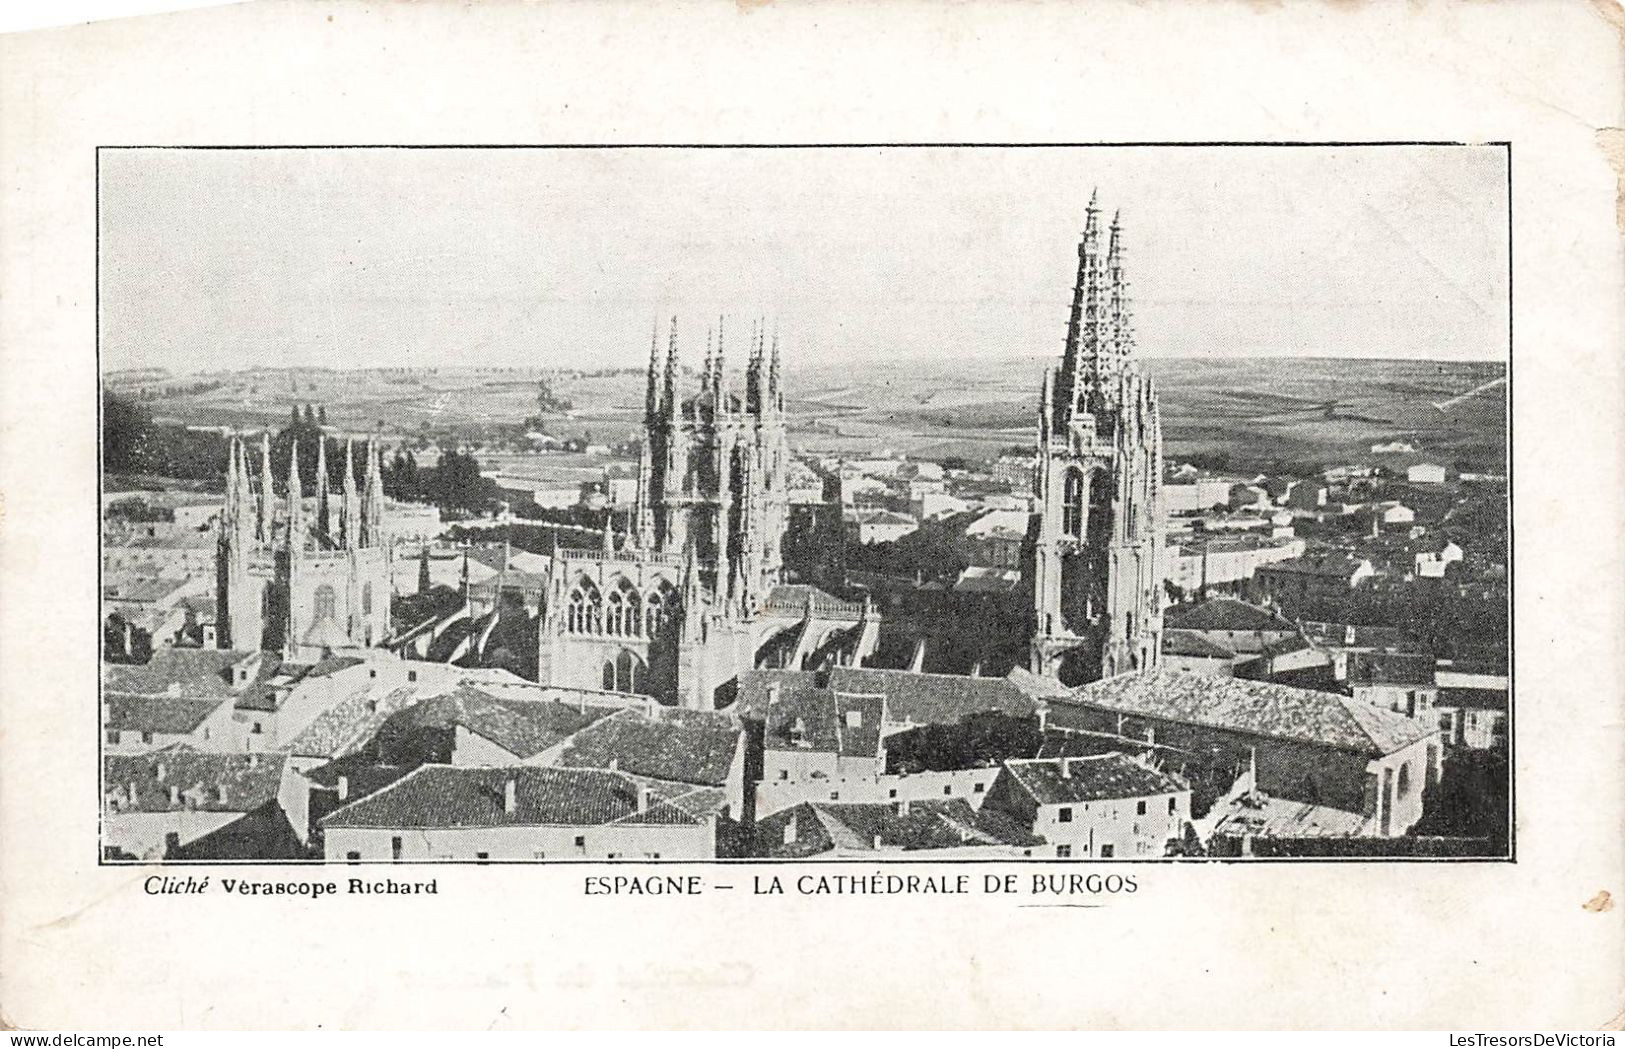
(1095,545)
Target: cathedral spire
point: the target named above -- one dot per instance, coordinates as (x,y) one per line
(296,503)
(1090,337)
(708,375)
(775,396)
(673,402)
(231,513)
(372,497)
(651,398)
(1120,328)
(262,525)
(349,510)
(324,519)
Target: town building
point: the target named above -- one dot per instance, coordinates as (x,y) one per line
(178,803)
(526,812)
(1097,561)
(1104,806)
(1313,747)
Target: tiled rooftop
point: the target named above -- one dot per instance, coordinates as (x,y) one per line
(1256,707)
(168,715)
(178,777)
(444,796)
(1226,613)
(680,746)
(1098,777)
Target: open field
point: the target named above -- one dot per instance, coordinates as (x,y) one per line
(1254,411)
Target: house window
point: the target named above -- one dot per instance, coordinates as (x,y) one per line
(1064,816)
(257,729)
(482,855)
(395,848)
(784,774)
(366,599)
(1405,779)
(411,675)
(948,788)
(834,795)
(352,856)
(112,737)
(892,793)
(1139,809)
(146,737)
(979,788)
(1106,851)
(1173,806)
(581,841)
(1063,852)
(539,855)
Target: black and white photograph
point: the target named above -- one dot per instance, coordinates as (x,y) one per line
(866,503)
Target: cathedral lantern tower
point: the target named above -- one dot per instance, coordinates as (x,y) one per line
(1095,547)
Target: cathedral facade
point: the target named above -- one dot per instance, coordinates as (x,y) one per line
(1095,554)
(302,586)
(690,596)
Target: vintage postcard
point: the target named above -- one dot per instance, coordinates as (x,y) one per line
(1031,534)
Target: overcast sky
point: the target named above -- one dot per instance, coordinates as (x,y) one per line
(369,258)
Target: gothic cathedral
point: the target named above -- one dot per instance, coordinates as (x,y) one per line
(302,588)
(684,604)
(1095,546)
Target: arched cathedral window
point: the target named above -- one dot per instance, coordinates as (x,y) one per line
(1072,492)
(324,602)
(623,610)
(624,673)
(584,611)
(658,607)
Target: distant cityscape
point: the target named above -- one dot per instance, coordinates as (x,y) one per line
(696,612)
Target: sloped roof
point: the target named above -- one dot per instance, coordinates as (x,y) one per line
(1096,777)
(195,672)
(524,728)
(1390,668)
(1259,708)
(928,699)
(757,688)
(170,715)
(351,722)
(948,824)
(821,718)
(1190,643)
(447,796)
(679,746)
(208,782)
(1226,613)
(1269,817)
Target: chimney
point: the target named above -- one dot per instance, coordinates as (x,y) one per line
(773,690)
(615,764)
(134,794)
(877,842)
(509,796)
(161,771)
(220,793)
(643,799)
(790,830)
(174,794)
(344,787)
(1066,769)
